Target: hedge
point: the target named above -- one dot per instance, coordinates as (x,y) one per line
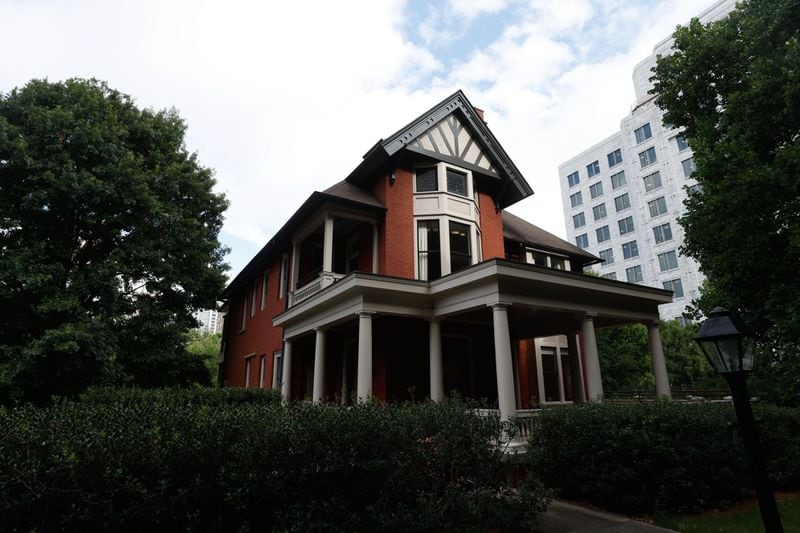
(659,457)
(152,461)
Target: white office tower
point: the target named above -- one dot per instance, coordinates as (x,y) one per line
(623,196)
(209,319)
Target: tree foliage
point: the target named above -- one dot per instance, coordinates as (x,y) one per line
(108,238)
(734,86)
(205,345)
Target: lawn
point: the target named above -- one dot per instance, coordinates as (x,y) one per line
(743,518)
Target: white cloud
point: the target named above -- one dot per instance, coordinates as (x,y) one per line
(284,98)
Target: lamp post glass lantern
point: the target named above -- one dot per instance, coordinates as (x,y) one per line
(728,346)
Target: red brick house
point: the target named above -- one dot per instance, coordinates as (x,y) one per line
(408,279)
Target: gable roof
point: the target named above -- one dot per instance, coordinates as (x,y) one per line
(481,152)
(517,229)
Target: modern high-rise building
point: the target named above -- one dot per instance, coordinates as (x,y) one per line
(210,320)
(623,196)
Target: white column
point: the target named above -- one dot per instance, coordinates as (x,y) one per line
(578,395)
(658,361)
(374,247)
(593,377)
(503,364)
(319,367)
(364,380)
(295,265)
(437,375)
(286,379)
(327,246)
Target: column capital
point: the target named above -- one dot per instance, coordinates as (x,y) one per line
(589,315)
(321,329)
(364,314)
(653,323)
(499,305)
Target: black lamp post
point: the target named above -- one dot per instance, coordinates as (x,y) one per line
(727,344)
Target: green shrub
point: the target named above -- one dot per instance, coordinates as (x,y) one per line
(658,457)
(154,460)
(179,396)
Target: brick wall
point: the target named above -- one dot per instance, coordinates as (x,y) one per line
(491,228)
(396,234)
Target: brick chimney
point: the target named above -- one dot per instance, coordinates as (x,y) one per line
(479,111)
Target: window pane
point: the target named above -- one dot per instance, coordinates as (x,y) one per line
(683,144)
(622,202)
(460,256)
(614,158)
(593,169)
(550,374)
(688,167)
(429,259)
(652,182)
(599,211)
(573,179)
(582,241)
(618,180)
(576,199)
(596,190)
(626,225)
(426,180)
(634,274)
(456,182)
(579,220)
(648,157)
(603,234)
(607,256)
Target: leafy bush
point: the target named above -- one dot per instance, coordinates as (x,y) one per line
(179,396)
(154,460)
(659,457)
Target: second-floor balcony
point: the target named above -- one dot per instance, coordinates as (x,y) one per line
(321,281)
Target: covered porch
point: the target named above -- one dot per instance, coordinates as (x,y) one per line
(515,334)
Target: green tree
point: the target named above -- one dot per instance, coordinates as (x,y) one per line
(625,358)
(205,345)
(734,86)
(108,239)
(686,365)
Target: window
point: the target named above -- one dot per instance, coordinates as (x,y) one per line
(676,286)
(456,182)
(264,285)
(662,233)
(610,275)
(537,258)
(582,241)
(603,234)
(244,314)
(593,169)
(596,189)
(579,220)
(682,143)
(544,259)
(626,225)
(574,179)
(618,180)
(614,158)
(284,276)
(694,189)
(634,274)
(599,211)
(688,167)
(657,206)
(648,157)
(576,199)
(652,181)
(559,263)
(429,259)
(643,133)
(622,202)
(607,256)
(247,364)
(254,298)
(427,180)
(261,370)
(277,369)
(668,260)
(460,253)
(630,249)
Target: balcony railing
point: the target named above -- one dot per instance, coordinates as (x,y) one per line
(325,279)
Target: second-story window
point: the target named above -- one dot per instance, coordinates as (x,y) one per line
(427,180)
(456,182)
(460,253)
(429,259)
(593,168)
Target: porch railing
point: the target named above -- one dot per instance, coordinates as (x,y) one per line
(524,422)
(324,280)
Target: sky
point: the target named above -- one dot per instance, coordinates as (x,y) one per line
(284,98)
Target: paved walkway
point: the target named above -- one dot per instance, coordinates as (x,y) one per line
(565,517)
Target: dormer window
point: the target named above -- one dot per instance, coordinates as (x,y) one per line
(547,259)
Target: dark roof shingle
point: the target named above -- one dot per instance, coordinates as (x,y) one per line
(517,229)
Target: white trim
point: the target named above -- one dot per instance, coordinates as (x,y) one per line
(248,361)
(261,370)
(264,285)
(277,355)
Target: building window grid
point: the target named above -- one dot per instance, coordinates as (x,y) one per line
(576,199)
(634,274)
(603,234)
(652,181)
(582,241)
(642,133)
(688,167)
(682,143)
(626,225)
(610,275)
(622,202)
(614,158)
(573,179)
(648,157)
(630,249)
(657,207)
(599,211)
(579,220)
(607,256)
(593,168)
(668,261)
(596,189)
(662,233)
(618,180)
(676,286)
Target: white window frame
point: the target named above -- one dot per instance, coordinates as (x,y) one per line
(262,363)
(549,258)
(444,242)
(284,283)
(254,298)
(277,365)
(248,363)
(243,324)
(264,285)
